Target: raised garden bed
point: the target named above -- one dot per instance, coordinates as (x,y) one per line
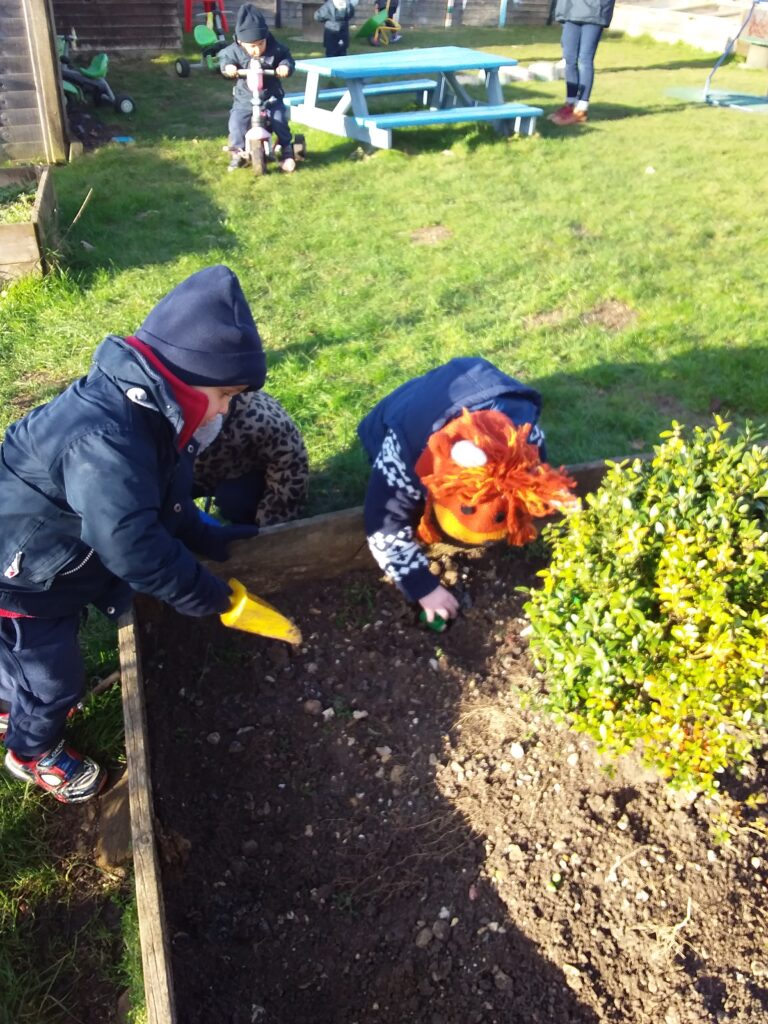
(384,825)
(28,221)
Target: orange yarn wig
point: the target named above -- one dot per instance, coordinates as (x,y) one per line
(485,481)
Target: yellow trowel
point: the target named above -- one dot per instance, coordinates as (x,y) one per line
(251,614)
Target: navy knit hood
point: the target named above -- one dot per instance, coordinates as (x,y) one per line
(204,332)
(251,26)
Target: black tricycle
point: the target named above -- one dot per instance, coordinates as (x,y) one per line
(91,81)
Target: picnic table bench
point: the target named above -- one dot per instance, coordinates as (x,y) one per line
(351,117)
(422,88)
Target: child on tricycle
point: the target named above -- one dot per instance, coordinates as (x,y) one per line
(255,43)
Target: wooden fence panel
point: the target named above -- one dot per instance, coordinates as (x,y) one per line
(120,26)
(31,104)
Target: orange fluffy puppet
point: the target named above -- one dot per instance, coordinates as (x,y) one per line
(484,481)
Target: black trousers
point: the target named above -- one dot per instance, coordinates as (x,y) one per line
(336,41)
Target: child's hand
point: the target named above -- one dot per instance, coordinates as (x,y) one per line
(229,71)
(282,71)
(440,602)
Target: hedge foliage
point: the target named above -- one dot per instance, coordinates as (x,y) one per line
(652,622)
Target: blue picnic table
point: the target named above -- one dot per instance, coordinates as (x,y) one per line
(443,97)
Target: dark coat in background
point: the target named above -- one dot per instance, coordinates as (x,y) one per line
(588,12)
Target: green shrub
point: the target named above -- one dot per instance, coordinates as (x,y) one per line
(652,623)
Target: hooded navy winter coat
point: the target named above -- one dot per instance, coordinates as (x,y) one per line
(395,433)
(95,485)
(273,57)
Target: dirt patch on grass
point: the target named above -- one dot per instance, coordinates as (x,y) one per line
(34,388)
(384,825)
(611,314)
(548,318)
(432,235)
(89,130)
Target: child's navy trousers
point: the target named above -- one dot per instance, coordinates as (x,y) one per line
(240,121)
(336,41)
(41,677)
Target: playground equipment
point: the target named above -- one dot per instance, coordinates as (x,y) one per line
(81,82)
(757,13)
(211,38)
(209,6)
(380,30)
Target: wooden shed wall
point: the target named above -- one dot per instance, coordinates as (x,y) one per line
(31,105)
(431,13)
(119,26)
(480,13)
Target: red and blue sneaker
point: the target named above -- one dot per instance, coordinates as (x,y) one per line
(71,777)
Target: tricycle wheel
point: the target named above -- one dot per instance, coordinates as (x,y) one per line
(183,68)
(299,147)
(259,160)
(124,104)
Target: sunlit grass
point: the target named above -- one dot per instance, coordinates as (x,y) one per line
(619,268)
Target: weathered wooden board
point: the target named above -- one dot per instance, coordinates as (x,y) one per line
(155,958)
(121,26)
(326,545)
(29,65)
(317,548)
(23,246)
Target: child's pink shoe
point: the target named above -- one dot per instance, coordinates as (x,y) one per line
(288,166)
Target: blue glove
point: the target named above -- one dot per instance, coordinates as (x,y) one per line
(218,538)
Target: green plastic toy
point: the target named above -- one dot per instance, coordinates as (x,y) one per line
(368,28)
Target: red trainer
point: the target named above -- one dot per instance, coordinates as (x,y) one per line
(71,777)
(567,115)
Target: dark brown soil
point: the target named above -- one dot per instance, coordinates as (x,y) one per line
(385,826)
(87,128)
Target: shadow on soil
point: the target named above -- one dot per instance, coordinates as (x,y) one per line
(312,870)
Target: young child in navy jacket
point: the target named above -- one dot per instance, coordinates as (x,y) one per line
(457,451)
(335,16)
(254,40)
(95,502)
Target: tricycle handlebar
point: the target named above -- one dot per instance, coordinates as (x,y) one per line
(243,72)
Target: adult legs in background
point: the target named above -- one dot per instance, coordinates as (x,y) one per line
(579,44)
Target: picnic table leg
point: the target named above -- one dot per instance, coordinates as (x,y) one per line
(311,89)
(493,87)
(458,90)
(495,97)
(345,102)
(359,102)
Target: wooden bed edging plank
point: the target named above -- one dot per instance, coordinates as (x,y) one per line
(155,958)
(328,545)
(316,548)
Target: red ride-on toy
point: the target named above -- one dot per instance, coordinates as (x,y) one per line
(211,38)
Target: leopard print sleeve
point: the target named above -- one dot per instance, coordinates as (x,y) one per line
(258,433)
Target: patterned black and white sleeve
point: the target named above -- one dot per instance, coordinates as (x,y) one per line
(392,505)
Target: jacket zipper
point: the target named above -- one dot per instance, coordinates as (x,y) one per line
(77,568)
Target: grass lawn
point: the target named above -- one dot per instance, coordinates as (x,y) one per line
(620,268)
